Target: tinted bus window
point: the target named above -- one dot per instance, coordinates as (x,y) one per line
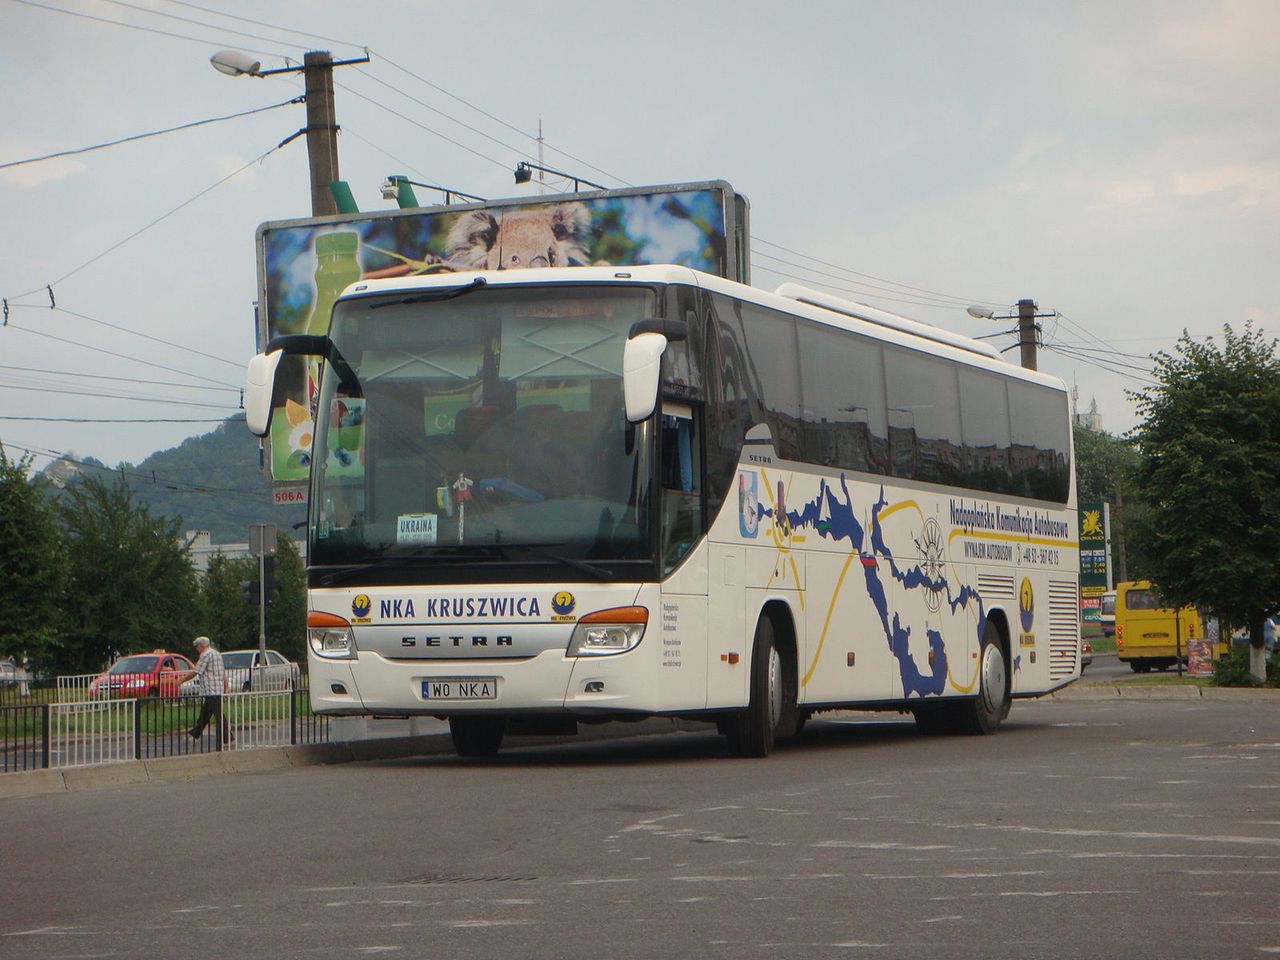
(924,417)
(984,416)
(774,365)
(842,385)
(1041,443)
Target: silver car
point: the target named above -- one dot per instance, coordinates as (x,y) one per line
(247,670)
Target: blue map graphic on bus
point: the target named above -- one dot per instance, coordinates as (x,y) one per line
(841,523)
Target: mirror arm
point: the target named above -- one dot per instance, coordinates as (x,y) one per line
(674,330)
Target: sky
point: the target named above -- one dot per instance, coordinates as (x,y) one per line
(1117,162)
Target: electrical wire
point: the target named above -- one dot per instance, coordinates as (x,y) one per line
(498,120)
(119,356)
(1145,381)
(133,26)
(423,126)
(103,376)
(185,348)
(148,478)
(940,302)
(117,245)
(869,276)
(144,136)
(271,26)
(114,419)
(115,396)
(422,103)
(849,290)
(198,23)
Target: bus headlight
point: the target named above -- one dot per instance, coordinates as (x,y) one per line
(607,632)
(330,636)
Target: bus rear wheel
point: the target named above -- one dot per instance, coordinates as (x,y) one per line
(477,736)
(752,732)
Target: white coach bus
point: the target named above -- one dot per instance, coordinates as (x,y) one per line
(545,497)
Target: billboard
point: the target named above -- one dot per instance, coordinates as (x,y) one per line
(1095,559)
(303,265)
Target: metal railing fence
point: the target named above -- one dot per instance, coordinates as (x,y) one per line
(57,735)
(24,738)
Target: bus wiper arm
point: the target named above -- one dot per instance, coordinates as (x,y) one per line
(600,573)
(429,296)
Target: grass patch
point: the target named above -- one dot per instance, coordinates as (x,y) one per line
(1170,679)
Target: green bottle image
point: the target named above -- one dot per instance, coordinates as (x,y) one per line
(337,266)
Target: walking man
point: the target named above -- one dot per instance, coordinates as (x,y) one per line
(211,681)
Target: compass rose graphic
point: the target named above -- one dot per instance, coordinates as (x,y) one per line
(932,560)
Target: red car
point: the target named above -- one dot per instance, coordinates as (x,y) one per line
(154,674)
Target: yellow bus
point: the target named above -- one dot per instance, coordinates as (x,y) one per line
(1151,635)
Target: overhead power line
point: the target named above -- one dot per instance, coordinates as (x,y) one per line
(141,230)
(134,26)
(498,120)
(144,136)
(270,26)
(423,126)
(116,396)
(102,376)
(198,23)
(119,356)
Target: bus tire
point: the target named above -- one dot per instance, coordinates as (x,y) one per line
(982,714)
(752,732)
(477,736)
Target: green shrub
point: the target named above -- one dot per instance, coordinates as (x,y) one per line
(1233,669)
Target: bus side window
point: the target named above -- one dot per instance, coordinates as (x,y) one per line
(681,482)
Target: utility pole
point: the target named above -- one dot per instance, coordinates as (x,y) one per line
(322,131)
(1028,329)
(322,125)
(1026,333)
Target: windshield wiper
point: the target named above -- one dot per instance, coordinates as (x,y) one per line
(600,573)
(429,296)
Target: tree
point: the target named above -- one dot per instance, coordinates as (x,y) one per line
(287,614)
(31,581)
(1210,447)
(228,620)
(233,624)
(130,583)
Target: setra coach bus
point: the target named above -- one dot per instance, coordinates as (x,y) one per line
(552,496)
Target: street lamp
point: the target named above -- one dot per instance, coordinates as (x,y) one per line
(524,173)
(400,189)
(1028,329)
(322,126)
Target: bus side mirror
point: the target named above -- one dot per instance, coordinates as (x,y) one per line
(642,363)
(641,367)
(259,391)
(260,378)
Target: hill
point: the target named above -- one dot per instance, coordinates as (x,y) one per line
(212,482)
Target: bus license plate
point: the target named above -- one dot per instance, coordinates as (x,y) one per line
(460,688)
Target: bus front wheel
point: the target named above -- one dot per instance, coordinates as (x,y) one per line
(477,736)
(980,714)
(752,732)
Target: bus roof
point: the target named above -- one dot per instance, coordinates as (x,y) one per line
(789,297)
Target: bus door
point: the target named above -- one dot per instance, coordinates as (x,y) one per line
(683,618)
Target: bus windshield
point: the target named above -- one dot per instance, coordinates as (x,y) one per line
(485,427)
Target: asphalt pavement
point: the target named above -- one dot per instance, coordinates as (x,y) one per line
(1108,826)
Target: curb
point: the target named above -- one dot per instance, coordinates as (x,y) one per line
(36,783)
(1103,691)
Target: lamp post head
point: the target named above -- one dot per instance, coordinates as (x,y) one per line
(523,172)
(980,313)
(235,64)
